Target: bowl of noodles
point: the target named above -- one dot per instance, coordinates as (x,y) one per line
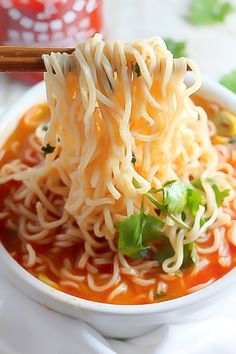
(117,187)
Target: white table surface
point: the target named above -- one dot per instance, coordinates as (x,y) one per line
(214,49)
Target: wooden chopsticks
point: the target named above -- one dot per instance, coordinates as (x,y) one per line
(26,59)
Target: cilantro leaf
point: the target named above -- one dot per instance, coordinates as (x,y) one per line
(136,231)
(190,255)
(130,235)
(203,12)
(152,228)
(211,180)
(159,295)
(178,49)
(196,182)
(133,158)
(164,210)
(48,149)
(229,80)
(202,221)
(219,195)
(45,127)
(162,207)
(164,249)
(137,70)
(194,199)
(175,196)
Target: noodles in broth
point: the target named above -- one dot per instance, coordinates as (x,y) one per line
(122,124)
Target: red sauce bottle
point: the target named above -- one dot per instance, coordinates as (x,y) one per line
(48,23)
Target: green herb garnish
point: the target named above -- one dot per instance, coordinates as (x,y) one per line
(170,201)
(174,196)
(202,221)
(194,199)
(45,127)
(137,69)
(196,182)
(204,12)
(159,295)
(164,249)
(178,49)
(190,255)
(219,195)
(229,80)
(136,231)
(133,158)
(211,180)
(48,149)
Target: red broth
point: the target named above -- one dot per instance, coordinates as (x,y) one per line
(178,285)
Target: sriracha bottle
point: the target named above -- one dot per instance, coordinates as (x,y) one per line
(46,23)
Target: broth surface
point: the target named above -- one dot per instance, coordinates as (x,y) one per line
(48,269)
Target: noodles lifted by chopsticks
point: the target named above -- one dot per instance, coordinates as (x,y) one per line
(122,125)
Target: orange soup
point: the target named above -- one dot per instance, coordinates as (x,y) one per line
(59,256)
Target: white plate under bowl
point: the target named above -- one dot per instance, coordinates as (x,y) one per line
(119,321)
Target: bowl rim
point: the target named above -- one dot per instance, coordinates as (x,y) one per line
(37,94)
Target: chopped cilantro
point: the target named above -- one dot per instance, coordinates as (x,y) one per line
(211,180)
(178,49)
(196,182)
(136,231)
(133,158)
(203,12)
(229,80)
(152,229)
(137,70)
(194,199)
(136,183)
(164,249)
(202,221)
(175,196)
(219,195)
(159,295)
(130,241)
(168,196)
(45,127)
(190,255)
(48,149)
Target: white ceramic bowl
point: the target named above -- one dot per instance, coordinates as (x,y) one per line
(120,321)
